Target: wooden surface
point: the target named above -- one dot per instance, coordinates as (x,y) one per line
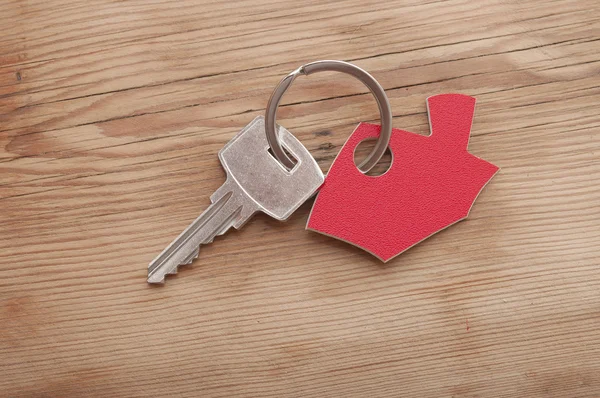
(111,116)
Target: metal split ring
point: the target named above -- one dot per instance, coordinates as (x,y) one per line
(335,66)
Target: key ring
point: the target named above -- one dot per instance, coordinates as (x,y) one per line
(335,66)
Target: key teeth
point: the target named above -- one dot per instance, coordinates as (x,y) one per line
(191,258)
(188,262)
(227,224)
(174,271)
(154,279)
(158,278)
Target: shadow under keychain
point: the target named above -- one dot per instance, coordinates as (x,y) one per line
(431,184)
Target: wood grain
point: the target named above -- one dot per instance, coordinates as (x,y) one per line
(111,116)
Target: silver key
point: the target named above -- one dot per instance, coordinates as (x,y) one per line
(256,181)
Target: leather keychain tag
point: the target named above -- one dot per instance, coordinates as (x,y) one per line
(431,184)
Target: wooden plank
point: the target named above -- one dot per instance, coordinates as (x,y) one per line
(111,115)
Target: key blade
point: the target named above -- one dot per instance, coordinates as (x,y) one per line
(216,219)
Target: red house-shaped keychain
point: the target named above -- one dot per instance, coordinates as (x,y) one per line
(432,183)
